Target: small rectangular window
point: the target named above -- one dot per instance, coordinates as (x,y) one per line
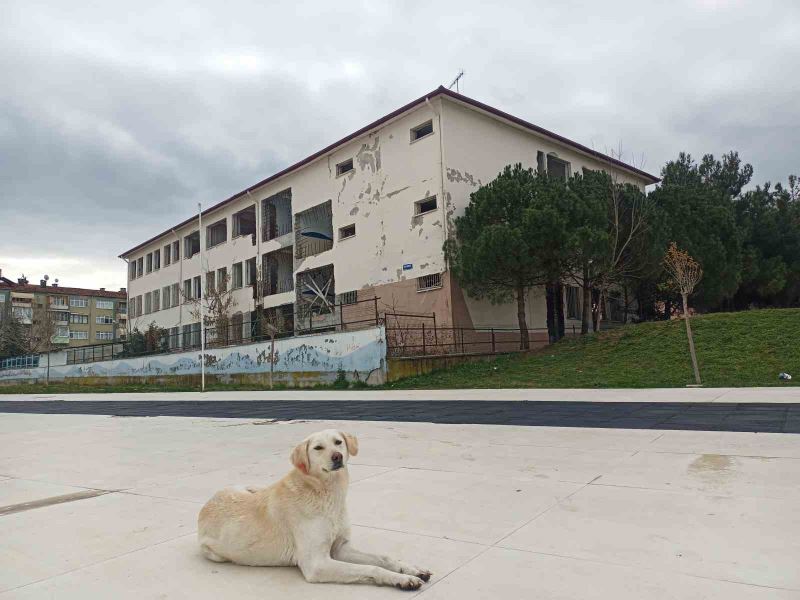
(420,131)
(197,289)
(156,260)
(425,206)
(156,300)
(344,167)
(191,244)
(176,251)
(347,231)
(149,262)
(176,297)
(222,279)
(105,304)
(250,271)
(187,290)
(237,276)
(216,234)
(165,297)
(429,282)
(167,255)
(148,303)
(210,287)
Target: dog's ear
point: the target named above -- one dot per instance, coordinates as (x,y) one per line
(300,457)
(351,442)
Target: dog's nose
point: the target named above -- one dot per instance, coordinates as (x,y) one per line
(336,457)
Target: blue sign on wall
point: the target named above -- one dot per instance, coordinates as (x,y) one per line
(408,267)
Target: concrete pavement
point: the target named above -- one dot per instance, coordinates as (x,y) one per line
(495,511)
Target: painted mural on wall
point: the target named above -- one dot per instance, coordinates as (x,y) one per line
(360,351)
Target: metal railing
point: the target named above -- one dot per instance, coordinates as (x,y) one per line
(342,317)
(429,340)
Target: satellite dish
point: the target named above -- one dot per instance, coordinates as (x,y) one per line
(56,280)
(46,277)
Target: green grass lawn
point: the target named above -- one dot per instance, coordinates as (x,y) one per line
(733,349)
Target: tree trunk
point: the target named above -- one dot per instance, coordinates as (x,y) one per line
(586,317)
(524,341)
(595,309)
(667,309)
(626,305)
(559,301)
(691,339)
(552,331)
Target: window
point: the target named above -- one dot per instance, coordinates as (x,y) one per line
(348,297)
(156,260)
(165,294)
(79,319)
(244,222)
(237,276)
(420,131)
(541,165)
(79,335)
(556,167)
(122,308)
(56,301)
(572,302)
(197,291)
(148,304)
(344,167)
(105,320)
(132,312)
(156,300)
(138,306)
(22,313)
(167,255)
(132,270)
(79,302)
(210,276)
(347,231)
(20,362)
(425,206)
(176,251)
(216,234)
(104,335)
(187,290)
(222,279)
(140,267)
(429,282)
(250,271)
(106,304)
(175,293)
(149,262)
(191,244)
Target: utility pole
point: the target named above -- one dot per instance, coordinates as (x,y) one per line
(202,237)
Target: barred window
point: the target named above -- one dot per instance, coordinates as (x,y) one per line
(429,282)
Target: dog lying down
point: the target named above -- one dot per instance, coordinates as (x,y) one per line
(300,520)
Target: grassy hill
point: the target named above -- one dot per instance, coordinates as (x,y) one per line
(734,349)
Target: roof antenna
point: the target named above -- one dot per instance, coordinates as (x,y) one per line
(455,81)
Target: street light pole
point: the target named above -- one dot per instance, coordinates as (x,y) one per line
(202,315)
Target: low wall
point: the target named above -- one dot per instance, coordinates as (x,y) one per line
(400,368)
(300,361)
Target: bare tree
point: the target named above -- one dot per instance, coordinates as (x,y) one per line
(41,333)
(216,305)
(684,273)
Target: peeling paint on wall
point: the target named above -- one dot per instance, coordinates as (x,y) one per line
(394,193)
(369,157)
(456,176)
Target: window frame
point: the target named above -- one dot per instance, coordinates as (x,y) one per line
(427,283)
(347,237)
(418,205)
(414,131)
(340,171)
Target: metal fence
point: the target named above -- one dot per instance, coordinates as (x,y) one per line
(340,317)
(429,340)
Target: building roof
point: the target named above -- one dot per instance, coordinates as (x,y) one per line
(440,91)
(62,291)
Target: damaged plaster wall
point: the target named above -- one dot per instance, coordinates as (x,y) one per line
(477,148)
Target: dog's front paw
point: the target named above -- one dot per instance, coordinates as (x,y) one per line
(423,574)
(408,582)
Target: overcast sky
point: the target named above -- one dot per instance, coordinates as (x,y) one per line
(115,122)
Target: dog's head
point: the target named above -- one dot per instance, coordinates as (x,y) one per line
(324,453)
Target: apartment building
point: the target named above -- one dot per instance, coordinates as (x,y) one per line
(81,316)
(364,217)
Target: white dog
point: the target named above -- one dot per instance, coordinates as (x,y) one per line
(300,520)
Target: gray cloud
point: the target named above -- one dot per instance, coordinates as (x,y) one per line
(114,122)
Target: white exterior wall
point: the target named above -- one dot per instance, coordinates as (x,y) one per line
(390,175)
(477,147)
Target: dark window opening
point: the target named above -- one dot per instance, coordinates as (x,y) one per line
(347,231)
(191,244)
(557,168)
(420,131)
(425,206)
(344,167)
(216,234)
(429,282)
(276,215)
(244,222)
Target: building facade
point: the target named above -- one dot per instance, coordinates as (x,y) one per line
(365,217)
(81,316)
